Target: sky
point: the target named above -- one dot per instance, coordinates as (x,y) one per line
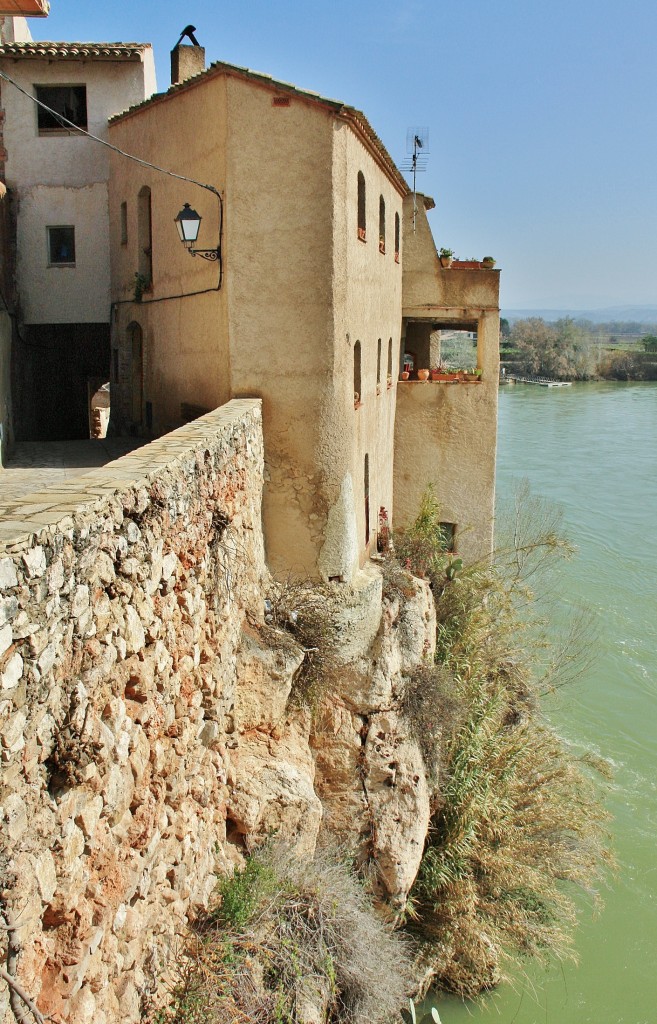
(542,116)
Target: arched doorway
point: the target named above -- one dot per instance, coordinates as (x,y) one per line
(136,350)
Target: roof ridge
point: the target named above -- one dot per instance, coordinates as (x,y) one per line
(351,114)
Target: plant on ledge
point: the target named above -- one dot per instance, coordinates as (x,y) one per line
(142,284)
(445,256)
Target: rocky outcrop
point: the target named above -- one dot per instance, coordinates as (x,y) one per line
(371,776)
(147,736)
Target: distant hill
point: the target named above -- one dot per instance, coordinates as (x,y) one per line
(618,314)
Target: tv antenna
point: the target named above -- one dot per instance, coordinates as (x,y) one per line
(415,162)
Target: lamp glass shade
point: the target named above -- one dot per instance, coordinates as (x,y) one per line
(188,223)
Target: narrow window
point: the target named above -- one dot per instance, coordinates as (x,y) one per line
(378,367)
(124,223)
(366,485)
(136,349)
(361,206)
(382,225)
(357,382)
(389,362)
(396,238)
(65,101)
(145,235)
(61,246)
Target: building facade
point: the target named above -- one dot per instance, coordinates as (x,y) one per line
(303,313)
(446,434)
(57,181)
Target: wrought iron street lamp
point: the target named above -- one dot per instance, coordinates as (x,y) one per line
(188,223)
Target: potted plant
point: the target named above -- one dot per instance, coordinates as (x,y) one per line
(488,263)
(445,256)
(472,375)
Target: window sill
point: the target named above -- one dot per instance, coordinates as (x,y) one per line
(60,266)
(47,133)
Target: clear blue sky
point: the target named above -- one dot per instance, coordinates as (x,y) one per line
(542,115)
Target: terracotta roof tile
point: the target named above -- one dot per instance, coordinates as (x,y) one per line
(73,51)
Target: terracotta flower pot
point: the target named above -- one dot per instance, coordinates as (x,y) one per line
(423,375)
(405,375)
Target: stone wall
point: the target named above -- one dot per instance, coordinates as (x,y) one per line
(122,604)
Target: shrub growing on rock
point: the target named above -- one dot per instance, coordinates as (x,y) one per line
(519,826)
(286,936)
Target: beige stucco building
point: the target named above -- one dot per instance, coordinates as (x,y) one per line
(446,434)
(57,181)
(304,312)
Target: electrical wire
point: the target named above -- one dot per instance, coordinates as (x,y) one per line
(144,163)
(103,142)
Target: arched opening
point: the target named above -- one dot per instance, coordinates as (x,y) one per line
(145,236)
(361,207)
(136,349)
(382,224)
(396,238)
(366,491)
(357,377)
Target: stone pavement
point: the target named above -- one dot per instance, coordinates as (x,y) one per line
(36,466)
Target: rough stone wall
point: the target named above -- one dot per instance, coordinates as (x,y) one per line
(121,615)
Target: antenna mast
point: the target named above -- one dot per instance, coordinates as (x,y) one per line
(417,153)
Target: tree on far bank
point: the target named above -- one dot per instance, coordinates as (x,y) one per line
(562,350)
(649,342)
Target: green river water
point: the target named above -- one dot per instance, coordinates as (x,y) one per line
(591,448)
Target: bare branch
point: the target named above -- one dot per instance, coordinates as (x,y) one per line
(17,990)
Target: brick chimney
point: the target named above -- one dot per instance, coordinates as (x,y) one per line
(186,61)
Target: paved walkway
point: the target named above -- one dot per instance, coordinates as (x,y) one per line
(35,466)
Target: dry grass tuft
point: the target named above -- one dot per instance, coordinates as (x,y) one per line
(305,610)
(285,933)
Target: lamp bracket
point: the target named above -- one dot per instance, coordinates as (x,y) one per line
(206,254)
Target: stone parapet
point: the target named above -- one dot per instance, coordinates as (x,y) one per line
(122,602)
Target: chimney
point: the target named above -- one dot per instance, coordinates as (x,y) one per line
(187,61)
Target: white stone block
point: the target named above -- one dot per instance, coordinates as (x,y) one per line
(8,576)
(35,562)
(6,637)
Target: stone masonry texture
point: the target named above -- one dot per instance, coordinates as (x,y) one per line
(122,604)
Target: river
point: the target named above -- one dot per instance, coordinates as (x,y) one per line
(591,448)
